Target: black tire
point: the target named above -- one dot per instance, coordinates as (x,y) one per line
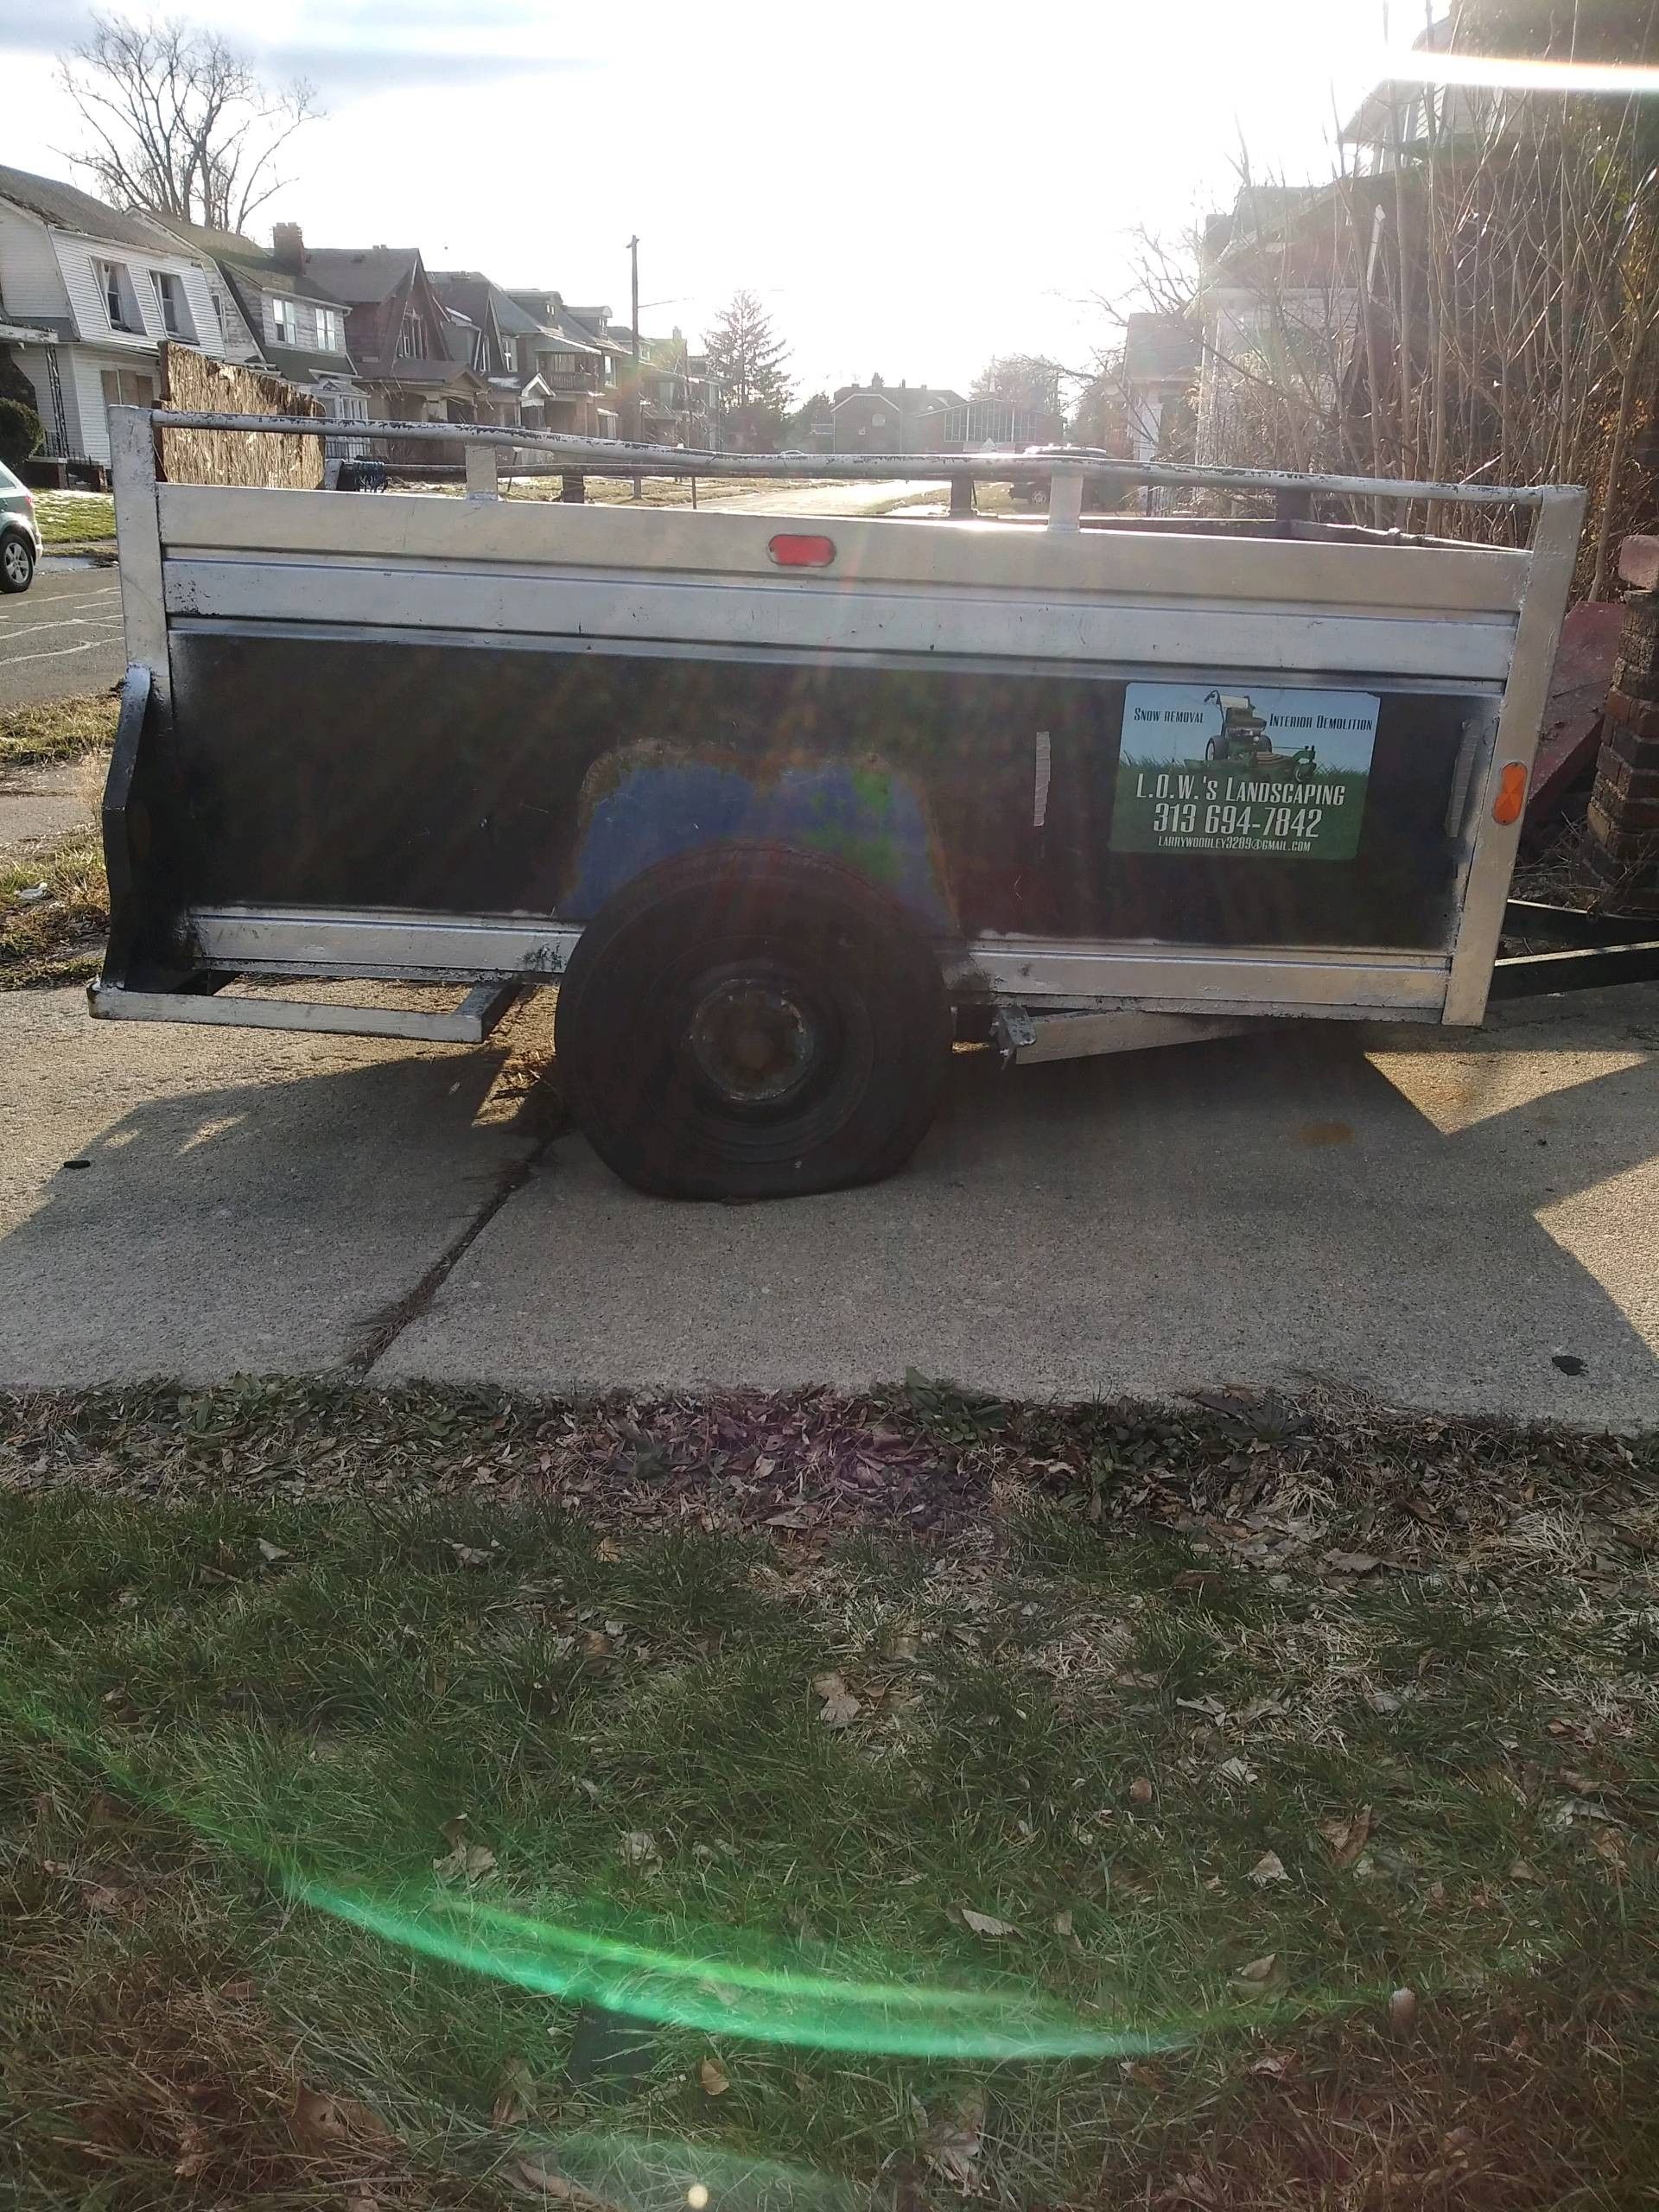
(752,1021)
(16,561)
(1210,750)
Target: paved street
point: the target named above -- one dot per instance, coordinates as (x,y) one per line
(1432,1221)
(62,635)
(880,496)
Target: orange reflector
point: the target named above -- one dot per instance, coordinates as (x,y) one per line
(791,550)
(1511,793)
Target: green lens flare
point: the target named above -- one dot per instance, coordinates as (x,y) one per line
(694,1983)
(767,2005)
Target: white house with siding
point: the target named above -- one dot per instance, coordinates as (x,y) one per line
(87,296)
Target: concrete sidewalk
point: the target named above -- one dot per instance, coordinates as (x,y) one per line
(1428,1220)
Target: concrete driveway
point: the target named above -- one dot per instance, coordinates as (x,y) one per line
(1436,1222)
(62,635)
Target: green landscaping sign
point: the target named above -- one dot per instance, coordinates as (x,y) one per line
(1231,769)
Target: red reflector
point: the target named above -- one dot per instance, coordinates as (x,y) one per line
(794,551)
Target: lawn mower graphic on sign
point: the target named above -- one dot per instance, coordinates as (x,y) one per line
(1281,772)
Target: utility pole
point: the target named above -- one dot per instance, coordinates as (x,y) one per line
(633,250)
(633,411)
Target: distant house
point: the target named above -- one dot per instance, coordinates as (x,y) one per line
(490,334)
(571,370)
(87,298)
(1280,305)
(679,402)
(399,332)
(273,312)
(881,417)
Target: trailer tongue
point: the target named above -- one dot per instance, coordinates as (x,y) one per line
(781,809)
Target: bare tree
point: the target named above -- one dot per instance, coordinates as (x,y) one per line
(1028,381)
(180,124)
(1472,295)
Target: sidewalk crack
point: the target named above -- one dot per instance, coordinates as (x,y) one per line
(384,1330)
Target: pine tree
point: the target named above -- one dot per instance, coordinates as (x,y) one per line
(746,356)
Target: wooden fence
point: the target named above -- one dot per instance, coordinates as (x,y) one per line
(193,383)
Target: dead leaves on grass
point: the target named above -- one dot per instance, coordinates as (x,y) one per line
(1348,1837)
(953,2143)
(515,2097)
(984,1924)
(839,1707)
(557,2189)
(467,1860)
(323,2124)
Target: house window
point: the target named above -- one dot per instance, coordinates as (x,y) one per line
(406,342)
(285,321)
(331,336)
(120,304)
(169,298)
(127,388)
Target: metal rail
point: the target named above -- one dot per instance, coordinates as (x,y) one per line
(616,457)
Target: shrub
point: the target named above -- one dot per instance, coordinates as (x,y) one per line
(21,432)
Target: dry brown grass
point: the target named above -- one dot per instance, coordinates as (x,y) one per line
(57,939)
(58,729)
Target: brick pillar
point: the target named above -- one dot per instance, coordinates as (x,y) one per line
(1619,857)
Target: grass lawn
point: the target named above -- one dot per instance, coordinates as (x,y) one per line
(58,729)
(654,491)
(57,937)
(1249,1808)
(74,517)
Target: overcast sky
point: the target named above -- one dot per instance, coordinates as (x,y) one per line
(910,188)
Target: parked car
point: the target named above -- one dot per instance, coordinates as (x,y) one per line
(20,534)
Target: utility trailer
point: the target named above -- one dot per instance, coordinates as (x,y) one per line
(784,806)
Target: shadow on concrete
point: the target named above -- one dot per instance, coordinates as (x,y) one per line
(261,1226)
(1258,1210)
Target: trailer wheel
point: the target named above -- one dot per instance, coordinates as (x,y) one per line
(751,1021)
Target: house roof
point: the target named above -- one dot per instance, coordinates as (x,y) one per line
(300,366)
(548,313)
(1159,348)
(475,293)
(360,275)
(425,375)
(1295,236)
(905,399)
(237,254)
(65,207)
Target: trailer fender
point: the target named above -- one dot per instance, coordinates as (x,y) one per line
(652,802)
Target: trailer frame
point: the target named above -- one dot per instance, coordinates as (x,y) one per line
(1049,999)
